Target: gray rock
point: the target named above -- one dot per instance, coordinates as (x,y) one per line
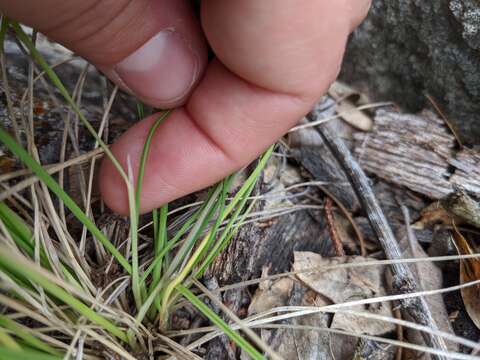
(408,48)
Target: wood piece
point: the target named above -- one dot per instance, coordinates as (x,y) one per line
(403,279)
(464,206)
(257,245)
(428,276)
(418,152)
(310,151)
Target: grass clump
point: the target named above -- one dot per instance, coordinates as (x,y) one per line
(53,306)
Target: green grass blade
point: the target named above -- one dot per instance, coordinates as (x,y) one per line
(9,354)
(8,341)
(205,245)
(160,240)
(23,37)
(15,223)
(222,325)
(135,213)
(3,32)
(15,148)
(144,157)
(236,205)
(170,244)
(226,236)
(18,230)
(14,265)
(204,217)
(26,336)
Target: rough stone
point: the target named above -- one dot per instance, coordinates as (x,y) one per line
(409,48)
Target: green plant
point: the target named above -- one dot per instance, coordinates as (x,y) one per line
(46,278)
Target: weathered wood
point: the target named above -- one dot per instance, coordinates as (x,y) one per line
(418,152)
(464,206)
(403,279)
(257,245)
(310,151)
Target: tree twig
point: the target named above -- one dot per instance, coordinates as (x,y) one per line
(403,279)
(337,243)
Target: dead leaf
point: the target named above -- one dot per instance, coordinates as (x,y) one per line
(433,214)
(347,284)
(348,99)
(428,277)
(302,344)
(292,344)
(469,271)
(7,164)
(339,285)
(270,294)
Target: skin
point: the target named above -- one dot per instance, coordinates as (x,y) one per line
(273,61)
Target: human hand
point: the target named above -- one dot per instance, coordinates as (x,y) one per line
(274,59)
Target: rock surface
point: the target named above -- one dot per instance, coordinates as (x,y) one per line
(408,48)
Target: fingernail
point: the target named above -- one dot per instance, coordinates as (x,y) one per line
(163,69)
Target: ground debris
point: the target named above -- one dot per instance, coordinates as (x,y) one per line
(418,152)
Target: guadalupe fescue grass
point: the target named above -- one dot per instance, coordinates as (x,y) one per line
(115,300)
(50,275)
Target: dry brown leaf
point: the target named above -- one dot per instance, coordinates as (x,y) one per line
(340,285)
(270,294)
(7,164)
(469,271)
(302,344)
(348,98)
(347,284)
(428,277)
(292,344)
(433,214)
(349,112)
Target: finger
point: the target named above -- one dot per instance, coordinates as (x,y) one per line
(287,48)
(230,118)
(151,48)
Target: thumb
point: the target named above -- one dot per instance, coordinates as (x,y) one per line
(151,48)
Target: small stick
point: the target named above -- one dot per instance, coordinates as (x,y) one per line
(337,243)
(399,352)
(403,279)
(452,128)
(346,213)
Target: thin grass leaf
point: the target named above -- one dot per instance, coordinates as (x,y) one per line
(160,240)
(15,148)
(170,244)
(206,244)
(14,265)
(135,212)
(201,248)
(214,318)
(8,341)
(171,278)
(17,228)
(26,336)
(9,354)
(226,236)
(16,223)
(204,217)
(3,32)
(239,199)
(23,37)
